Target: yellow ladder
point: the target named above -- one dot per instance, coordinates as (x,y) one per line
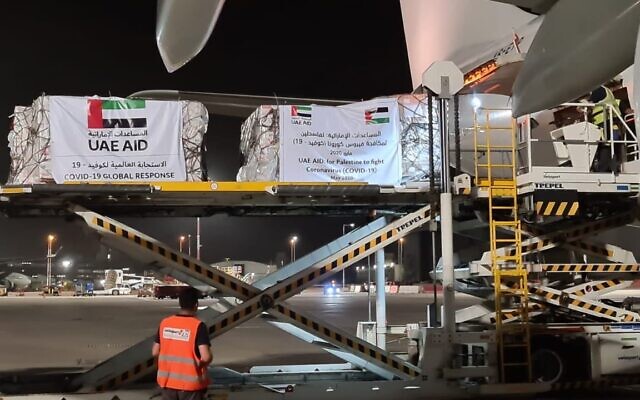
(495,149)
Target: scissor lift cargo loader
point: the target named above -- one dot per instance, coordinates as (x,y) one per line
(581,298)
(369,366)
(369,371)
(256,301)
(567,205)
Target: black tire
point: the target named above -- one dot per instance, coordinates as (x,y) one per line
(116,292)
(548,366)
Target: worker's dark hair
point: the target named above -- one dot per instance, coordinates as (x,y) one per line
(188,298)
(598,94)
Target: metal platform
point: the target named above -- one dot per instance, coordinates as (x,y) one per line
(190,199)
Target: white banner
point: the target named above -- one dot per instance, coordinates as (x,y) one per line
(114,139)
(355,143)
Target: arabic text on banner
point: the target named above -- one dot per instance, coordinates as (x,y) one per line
(114,139)
(355,143)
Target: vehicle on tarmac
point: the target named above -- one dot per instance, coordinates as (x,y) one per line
(117,290)
(331,289)
(170,291)
(84,289)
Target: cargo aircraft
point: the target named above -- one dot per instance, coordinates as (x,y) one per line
(588,40)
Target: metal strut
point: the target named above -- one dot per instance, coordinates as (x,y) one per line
(582,304)
(572,237)
(255,301)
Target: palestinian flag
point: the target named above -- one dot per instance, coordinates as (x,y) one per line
(303,112)
(378,115)
(124,113)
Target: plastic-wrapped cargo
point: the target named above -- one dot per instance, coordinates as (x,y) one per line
(414,138)
(260,142)
(30,141)
(260,145)
(29,144)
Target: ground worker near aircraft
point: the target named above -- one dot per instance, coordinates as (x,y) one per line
(183,351)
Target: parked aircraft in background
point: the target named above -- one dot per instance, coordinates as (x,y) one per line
(14,281)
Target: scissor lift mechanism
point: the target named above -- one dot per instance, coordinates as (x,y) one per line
(268,295)
(576,299)
(108,375)
(581,298)
(135,362)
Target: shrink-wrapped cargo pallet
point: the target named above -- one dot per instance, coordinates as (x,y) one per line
(106,140)
(261,138)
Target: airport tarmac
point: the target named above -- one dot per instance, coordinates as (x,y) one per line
(70,333)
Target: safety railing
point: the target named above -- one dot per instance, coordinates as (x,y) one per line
(625,141)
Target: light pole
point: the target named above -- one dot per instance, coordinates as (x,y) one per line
(198,245)
(50,240)
(344,231)
(180,242)
(400,250)
(369,285)
(292,242)
(189,244)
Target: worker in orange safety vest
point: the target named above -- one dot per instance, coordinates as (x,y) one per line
(182,349)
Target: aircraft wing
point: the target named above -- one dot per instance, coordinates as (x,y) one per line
(183,28)
(531,6)
(232,105)
(589,41)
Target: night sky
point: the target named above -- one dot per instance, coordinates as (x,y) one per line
(332,48)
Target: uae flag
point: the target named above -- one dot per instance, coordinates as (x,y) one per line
(301,112)
(378,115)
(102,114)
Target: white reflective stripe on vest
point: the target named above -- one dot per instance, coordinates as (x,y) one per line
(178,359)
(181,377)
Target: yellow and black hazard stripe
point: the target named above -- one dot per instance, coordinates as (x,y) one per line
(557,208)
(235,287)
(213,276)
(352,254)
(572,235)
(512,315)
(347,341)
(538,245)
(593,248)
(602,224)
(257,301)
(137,371)
(559,203)
(598,287)
(286,289)
(576,303)
(594,268)
(596,384)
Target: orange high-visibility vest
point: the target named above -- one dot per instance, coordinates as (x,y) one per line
(178,364)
